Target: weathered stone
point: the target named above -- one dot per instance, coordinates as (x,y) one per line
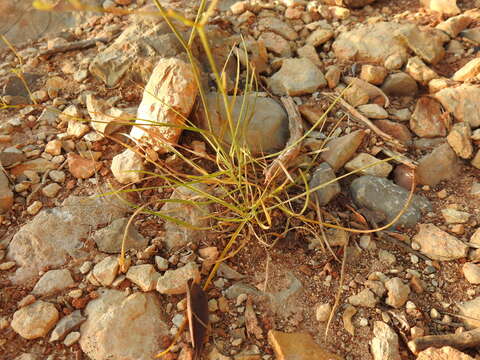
(459,140)
(104,118)
(263,122)
(144,276)
(35,320)
(441,164)
(109,239)
(106,270)
(55,235)
(453,216)
(469,71)
(6,194)
(341,149)
(365,298)
(127,167)
(439,245)
(400,84)
(319,37)
(364,159)
(53,281)
(373,111)
(443,353)
(383,196)
(471,272)
(322,312)
(277,26)
(470,309)
(174,282)
(72,338)
(476,160)
(420,72)
(398,292)
(454,25)
(356,96)
(121,327)
(276,44)
(11,156)
(39,165)
(384,345)
(321,175)
(309,52)
(428,119)
(472,35)
(82,168)
(462,102)
(51,190)
(333,76)
(299,346)
(77,128)
(396,130)
(373,74)
(446,7)
(67,324)
(426,44)
(297,77)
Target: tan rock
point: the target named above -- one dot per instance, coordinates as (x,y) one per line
(400,84)
(398,292)
(319,37)
(77,128)
(276,44)
(127,167)
(420,72)
(373,74)
(384,345)
(462,102)
(470,309)
(144,276)
(471,272)
(396,130)
(469,71)
(35,320)
(309,52)
(356,96)
(446,7)
(174,282)
(106,119)
(436,85)
(362,160)
(428,119)
(333,76)
(373,111)
(454,25)
(6,194)
(54,147)
(82,168)
(277,26)
(460,140)
(341,149)
(439,245)
(444,353)
(428,45)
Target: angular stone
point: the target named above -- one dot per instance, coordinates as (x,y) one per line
(35,320)
(471,272)
(39,165)
(6,194)
(428,119)
(420,72)
(468,71)
(11,156)
(446,7)
(364,298)
(106,119)
(454,25)
(55,235)
(356,96)
(428,45)
(396,130)
(373,111)
(470,309)
(121,327)
(341,149)
(51,190)
(277,26)
(459,140)
(332,76)
(400,84)
(82,168)
(319,37)
(309,52)
(144,276)
(373,74)
(53,281)
(109,239)
(298,346)
(321,175)
(106,270)
(364,159)
(398,292)
(462,102)
(174,282)
(276,44)
(453,216)
(264,130)
(297,77)
(476,160)
(127,167)
(383,196)
(472,35)
(67,324)
(384,345)
(439,245)
(444,353)
(77,128)
(441,164)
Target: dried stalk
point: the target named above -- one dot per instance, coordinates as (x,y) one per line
(465,340)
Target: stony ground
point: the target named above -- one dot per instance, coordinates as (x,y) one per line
(414,71)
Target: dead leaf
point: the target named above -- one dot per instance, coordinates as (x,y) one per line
(197,313)
(251,322)
(350,310)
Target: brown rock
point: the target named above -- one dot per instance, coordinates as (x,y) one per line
(454,25)
(476,160)
(439,245)
(277,26)
(373,74)
(54,147)
(459,140)
(462,102)
(428,119)
(82,168)
(426,44)
(341,149)
(6,194)
(420,72)
(319,37)
(309,52)
(469,71)
(35,320)
(276,44)
(444,353)
(333,76)
(397,130)
(400,84)
(441,164)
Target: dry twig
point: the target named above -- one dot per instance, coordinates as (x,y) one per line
(76,45)
(465,340)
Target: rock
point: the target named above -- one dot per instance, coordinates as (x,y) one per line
(373,111)
(375,95)
(471,272)
(356,96)
(264,130)
(321,175)
(428,45)
(241,288)
(177,235)
(277,26)
(11,156)
(454,25)
(56,235)
(383,196)
(444,353)
(373,43)
(319,37)
(53,281)
(386,257)
(51,190)
(445,7)
(109,239)
(472,35)
(333,76)
(104,118)
(356,3)
(397,292)
(365,298)
(6,194)
(39,165)
(364,159)
(428,119)
(34,208)
(144,276)
(373,74)
(322,312)
(439,245)
(441,164)
(436,85)
(276,44)
(309,52)
(71,338)
(298,346)
(77,128)
(35,320)
(27,356)
(475,190)
(106,270)
(462,102)
(475,239)
(347,318)
(341,149)
(174,282)
(470,309)
(67,324)
(400,84)
(453,216)
(168,98)
(469,71)
(121,327)
(420,72)
(384,345)
(127,167)
(476,160)
(397,130)
(82,168)
(297,77)
(54,147)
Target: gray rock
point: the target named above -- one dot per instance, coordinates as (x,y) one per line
(53,281)
(341,149)
(439,245)
(35,320)
(229,273)
(109,239)
(470,309)
(400,84)
(441,164)
(174,282)
(72,338)
(56,234)
(121,327)
(384,345)
(263,122)
(382,195)
(66,325)
(365,298)
(397,292)
(241,288)
(373,111)
(321,175)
